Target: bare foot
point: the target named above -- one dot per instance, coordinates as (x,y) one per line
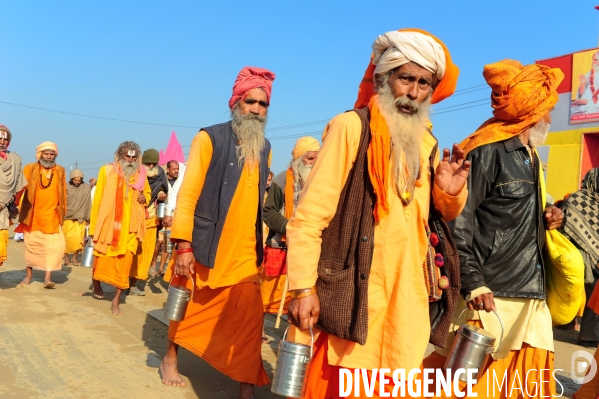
(170,374)
(116,310)
(98,293)
(26,281)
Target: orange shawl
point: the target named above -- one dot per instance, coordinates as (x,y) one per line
(521,96)
(110,216)
(380,141)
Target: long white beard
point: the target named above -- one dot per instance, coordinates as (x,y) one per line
(129,168)
(301,171)
(406,135)
(538,133)
(249,129)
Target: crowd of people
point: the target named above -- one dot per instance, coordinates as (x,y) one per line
(375,241)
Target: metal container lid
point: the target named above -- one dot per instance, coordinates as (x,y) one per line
(295,348)
(476,334)
(179,290)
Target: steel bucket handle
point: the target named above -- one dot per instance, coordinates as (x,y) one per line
(193,285)
(498,318)
(311,337)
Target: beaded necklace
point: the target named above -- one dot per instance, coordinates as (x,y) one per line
(49,179)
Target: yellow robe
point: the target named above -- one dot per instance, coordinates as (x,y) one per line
(398,318)
(74,234)
(223,322)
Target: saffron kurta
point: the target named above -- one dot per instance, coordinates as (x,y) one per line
(223,322)
(44,241)
(398,320)
(114,266)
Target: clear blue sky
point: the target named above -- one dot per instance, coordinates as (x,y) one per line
(174,63)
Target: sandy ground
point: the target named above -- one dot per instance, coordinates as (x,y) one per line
(63,343)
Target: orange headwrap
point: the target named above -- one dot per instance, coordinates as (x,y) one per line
(380,141)
(521,96)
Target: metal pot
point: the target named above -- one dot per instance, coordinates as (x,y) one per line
(471,348)
(160,210)
(87,259)
(293,367)
(176,302)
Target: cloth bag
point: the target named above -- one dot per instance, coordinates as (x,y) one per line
(564,275)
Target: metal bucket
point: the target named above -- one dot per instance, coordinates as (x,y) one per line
(87,259)
(176,302)
(293,366)
(160,210)
(471,348)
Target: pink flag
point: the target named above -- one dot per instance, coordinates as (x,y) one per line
(173,152)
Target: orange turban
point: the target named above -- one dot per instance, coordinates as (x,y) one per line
(412,45)
(250,78)
(46,145)
(521,96)
(304,145)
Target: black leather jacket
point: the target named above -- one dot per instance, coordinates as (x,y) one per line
(500,233)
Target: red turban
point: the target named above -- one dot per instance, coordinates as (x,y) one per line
(250,78)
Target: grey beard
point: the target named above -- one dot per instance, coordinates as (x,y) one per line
(538,134)
(47,164)
(300,170)
(406,135)
(249,129)
(129,168)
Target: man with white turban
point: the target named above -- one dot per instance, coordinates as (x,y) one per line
(42,214)
(280,204)
(11,183)
(357,260)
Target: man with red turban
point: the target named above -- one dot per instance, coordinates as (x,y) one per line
(281,202)
(217,226)
(42,214)
(500,234)
(360,237)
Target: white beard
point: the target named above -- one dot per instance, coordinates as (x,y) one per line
(301,171)
(538,134)
(406,135)
(249,129)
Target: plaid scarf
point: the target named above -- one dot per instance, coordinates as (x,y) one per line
(581,216)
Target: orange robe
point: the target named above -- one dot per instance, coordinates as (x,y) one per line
(398,318)
(43,212)
(223,322)
(114,265)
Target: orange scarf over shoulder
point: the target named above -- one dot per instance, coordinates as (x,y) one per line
(110,216)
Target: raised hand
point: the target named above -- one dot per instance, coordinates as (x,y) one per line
(452,172)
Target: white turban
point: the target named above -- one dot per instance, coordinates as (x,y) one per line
(394,49)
